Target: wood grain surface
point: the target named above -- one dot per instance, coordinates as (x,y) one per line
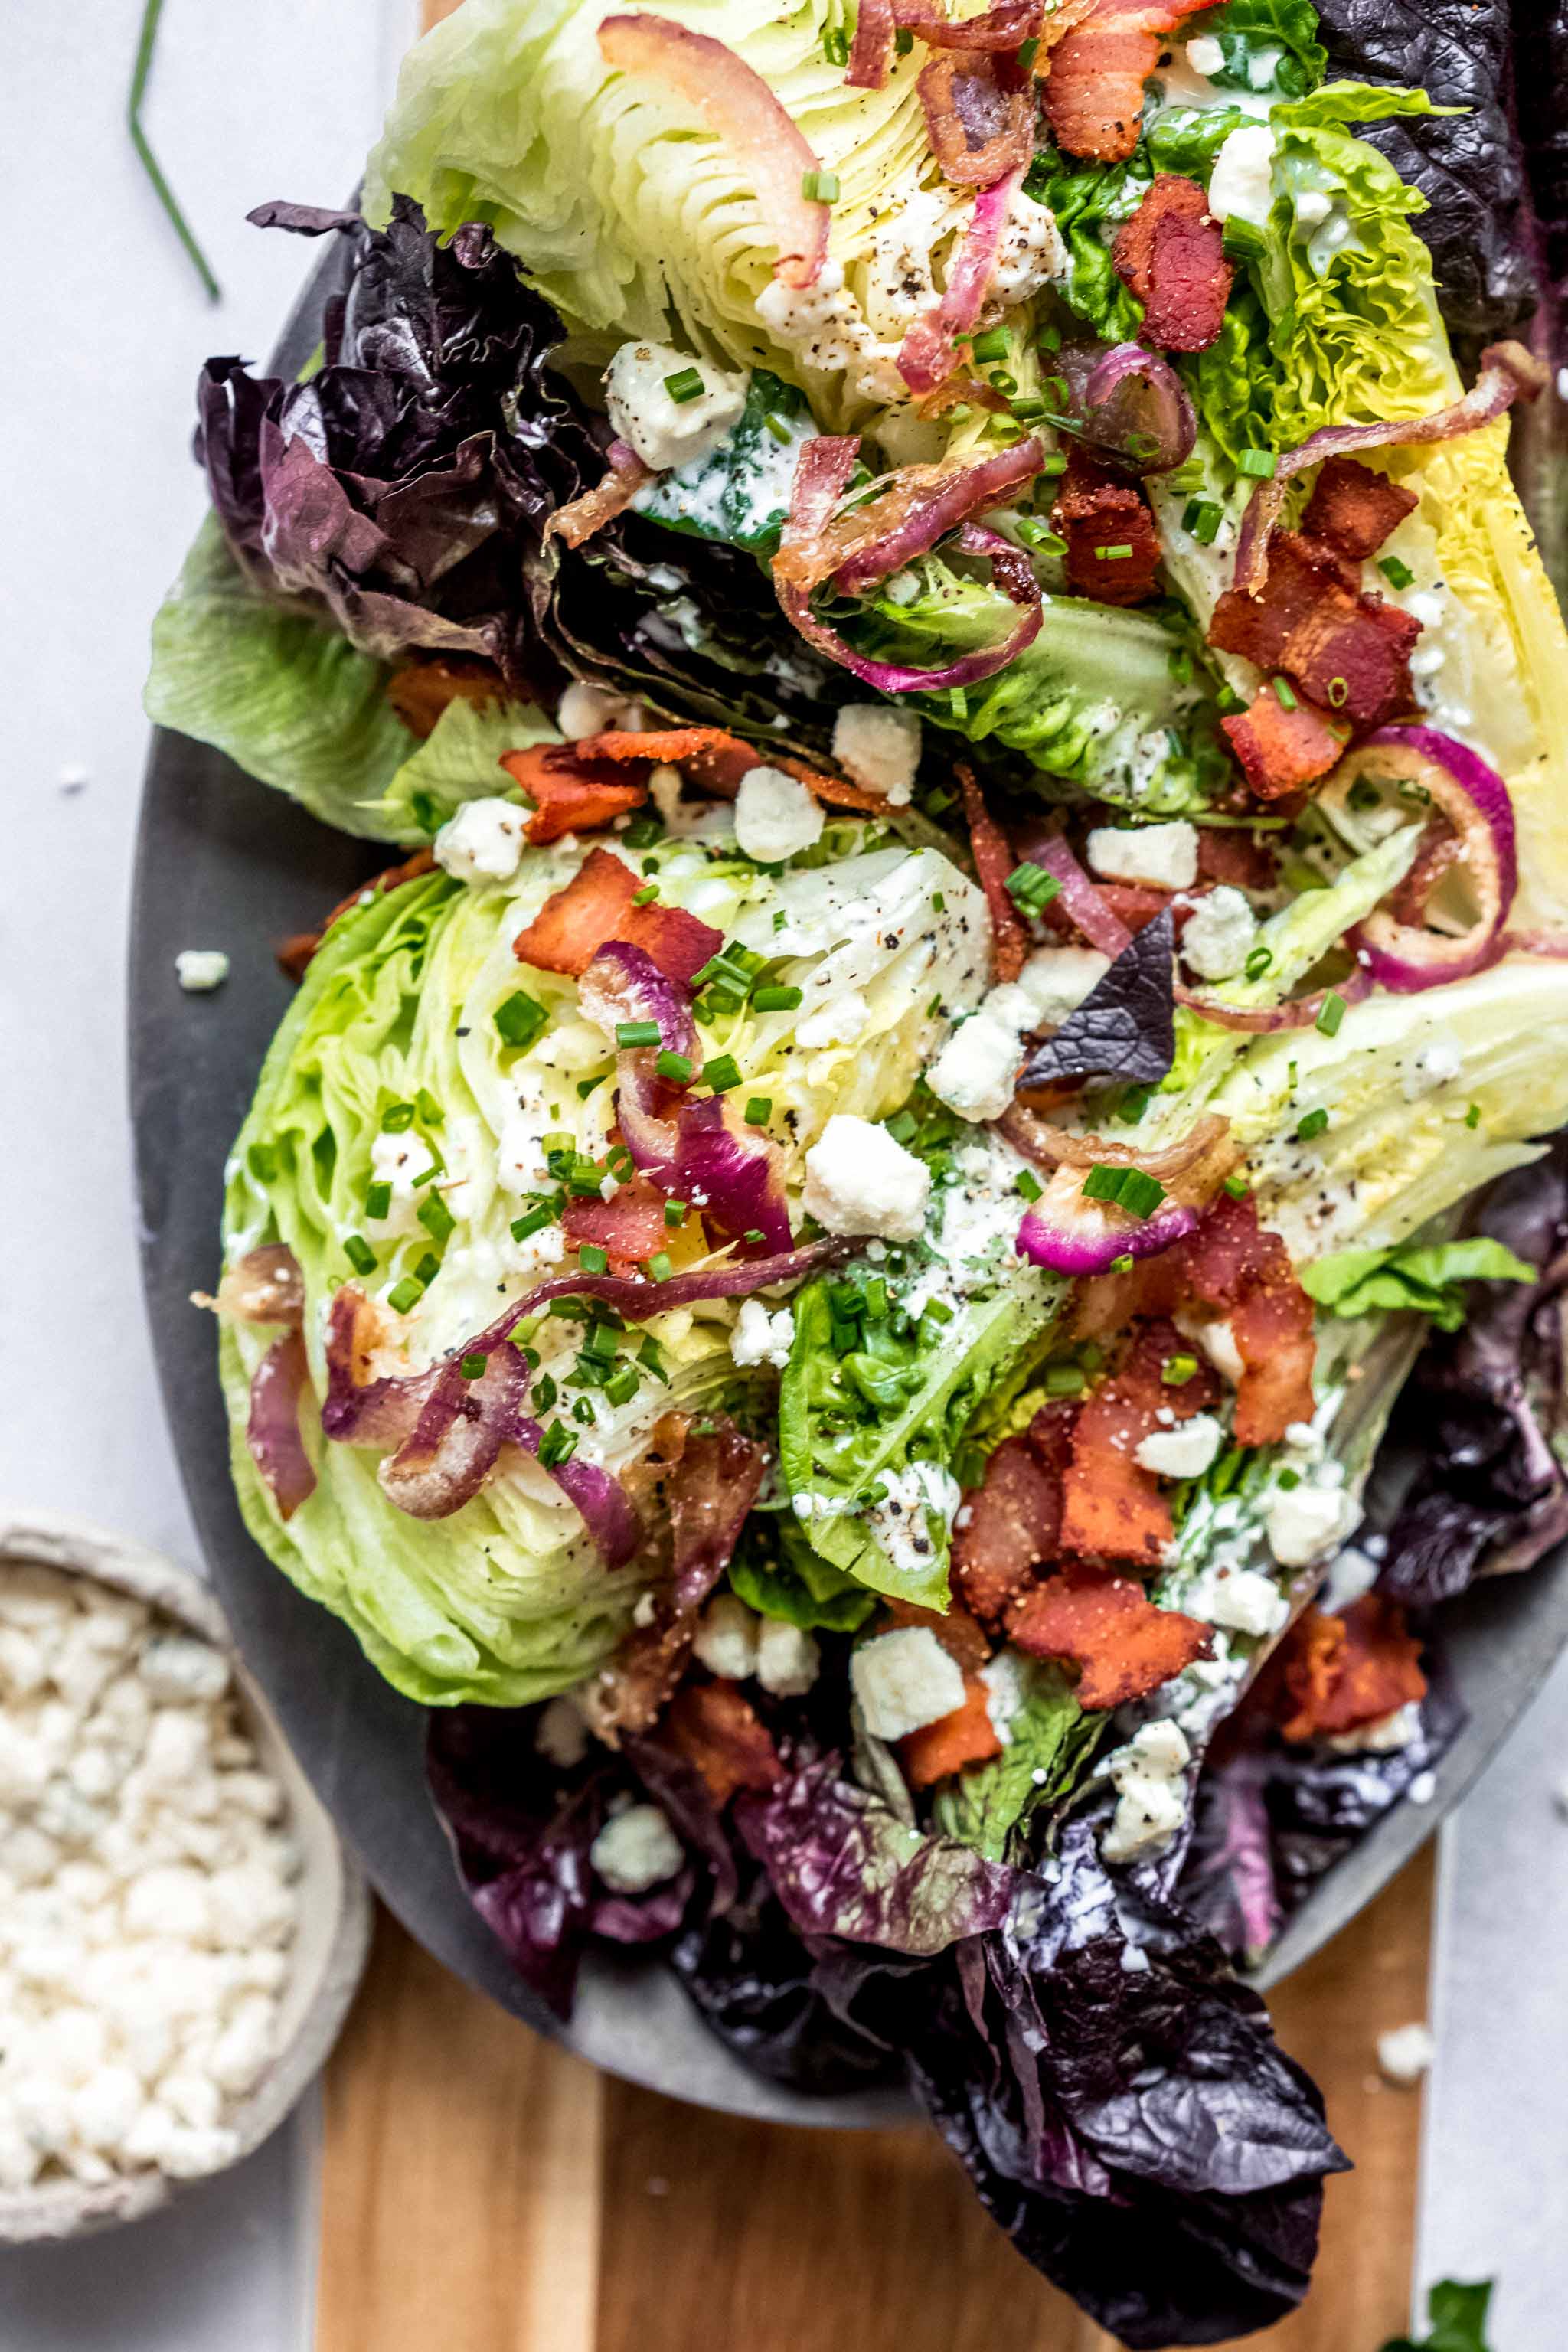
(483,2191)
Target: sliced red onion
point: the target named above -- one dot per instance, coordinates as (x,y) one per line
(738,107)
(610,496)
(1049,1146)
(1128,405)
(636,1297)
(1507,372)
(272,1428)
(1080,900)
(872,53)
(1072,1235)
(623,984)
(926,358)
(1300,1012)
(1474,798)
(926,509)
(1552,945)
(455,1443)
(381,1411)
(607,1508)
(266,1285)
(1007,25)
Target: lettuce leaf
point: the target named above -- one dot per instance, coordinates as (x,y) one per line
(458,761)
(1428,1278)
(988,1807)
(1270,45)
(1456,2316)
(1090,199)
(796,1583)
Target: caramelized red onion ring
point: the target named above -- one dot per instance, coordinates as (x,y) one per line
(1473,797)
(607,1510)
(1507,372)
(1075,1236)
(1079,900)
(266,1285)
(929,349)
(1128,405)
(610,496)
(1265,1020)
(272,1428)
(1048,1146)
(738,107)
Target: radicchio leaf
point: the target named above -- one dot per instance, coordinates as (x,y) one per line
(1126,1025)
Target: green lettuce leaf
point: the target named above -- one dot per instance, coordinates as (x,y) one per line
(1087,199)
(741,491)
(460,761)
(1429,1278)
(1048,1737)
(1456,2316)
(796,1584)
(285,695)
(1270,45)
(1232,383)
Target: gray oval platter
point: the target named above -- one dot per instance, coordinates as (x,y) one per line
(225,862)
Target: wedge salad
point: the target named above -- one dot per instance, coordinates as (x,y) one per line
(980,969)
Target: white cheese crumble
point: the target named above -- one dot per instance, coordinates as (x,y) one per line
(1242,1599)
(1217,1340)
(1314,207)
(1304,1522)
(200,970)
(726,1639)
(1218,933)
(484,842)
(665,431)
(788,1658)
(561,1734)
(860,1181)
(1186,1451)
(635,1849)
(1166,856)
(826,328)
(1242,185)
(591,711)
(1151,1803)
(905,1680)
(1204,55)
(146,1898)
(760,1337)
(1404,2054)
(879,747)
(776,816)
(1382,1736)
(973,1073)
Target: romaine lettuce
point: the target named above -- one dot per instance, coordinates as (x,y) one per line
(1423,1277)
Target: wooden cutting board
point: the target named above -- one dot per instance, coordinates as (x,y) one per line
(484,2192)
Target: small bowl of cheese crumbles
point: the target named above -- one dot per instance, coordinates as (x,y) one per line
(180,1930)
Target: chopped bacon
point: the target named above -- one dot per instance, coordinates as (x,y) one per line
(420,691)
(980,115)
(1353,508)
(721,1737)
(1112,1509)
(1133,904)
(716,762)
(294,954)
(1347,651)
(1342,1673)
(610,496)
(1235,1266)
(1232,854)
(594,906)
(1282,750)
(1113,547)
(1013,1524)
(1108,1626)
(572,792)
(918,505)
(994,861)
(1094,98)
(630,1225)
(1172,255)
(872,53)
(961,1635)
(967,1736)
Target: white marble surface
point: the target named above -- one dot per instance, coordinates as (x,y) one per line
(107,327)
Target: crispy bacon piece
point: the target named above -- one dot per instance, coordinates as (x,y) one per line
(1133,904)
(1231,854)
(721,1737)
(994,861)
(294,954)
(624,476)
(980,115)
(572,791)
(1353,508)
(1108,1627)
(716,762)
(1342,1673)
(630,1225)
(1235,1267)
(961,1635)
(1280,750)
(1349,652)
(1013,1521)
(967,1736)
(1094,98)
(1113,547)
(420,691)
(596,906)
(1172,255)
(1112,1509)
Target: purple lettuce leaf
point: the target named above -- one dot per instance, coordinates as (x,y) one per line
(1483,1408)
(1126,1025)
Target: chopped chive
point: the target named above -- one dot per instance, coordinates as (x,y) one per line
(544,1392)
(436,1217)
(753,1235)
(1203,518)
(405,1294)
(430,1110)
(397,1117)
(836,45)
(1332,1014)
(675,1068)
(650,1354)
(674,1213)
(622,1386)
(1473,1116)
(644,896)
(685,384)
(1339,693)
(586,1085)
(643,831)
(759,1110)
(359,1254)
(1397,575)
(1284,693)
(1031,888)
(532,1221)
(776,1000)
(519,1019)
(938,903)
(378,1200)
(722,1072)
(558,1444)
(1260,463)
(659,1265)
(427,1268)
(1289,1479)
(1129,1187)
(593,1259)
(1122,1265)
(1113,554)
(819,187)
(426,1176)
(472,1367)
(1313,1124)
(902,1127)
(1177,1370)
(1258,963)
(630,1034)
(1132,1106)
(903,41)
(1029,1185)
(1063,1380)
(991,345)
(1238,1187)
(781,920)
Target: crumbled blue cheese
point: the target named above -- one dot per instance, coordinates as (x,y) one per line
(1151,1800)
(635,1849)
(760,1337)
(904,1680)
(201,970)
(665,432)
(726,1639)
(560,1735)
(1204,55)
(1382,1736)
(1405,2054)
(1218,934)
(1162,856)
(1185,1452)
(776,816)
(878,745)
(974,1072)
(484,842)
(1304,1522)
(825,329)
(1243,1600)
(592,710)
(1242,185)
(788,1658)
(860,1181)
